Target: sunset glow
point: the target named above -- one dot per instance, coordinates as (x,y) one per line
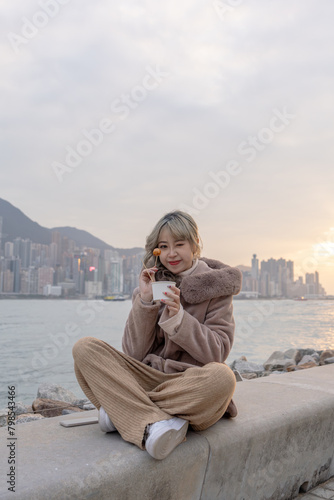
(133,110)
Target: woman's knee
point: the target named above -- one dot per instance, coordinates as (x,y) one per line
(82,347)
(223,377)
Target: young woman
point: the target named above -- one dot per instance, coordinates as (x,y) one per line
(172,372)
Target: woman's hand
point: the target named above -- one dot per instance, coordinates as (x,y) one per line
(172,300)
(145,283)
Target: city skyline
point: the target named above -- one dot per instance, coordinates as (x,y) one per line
(62,268)
(66,269)
(277,278)
(53,256)
(115,114)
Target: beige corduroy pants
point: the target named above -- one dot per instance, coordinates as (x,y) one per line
(135,395)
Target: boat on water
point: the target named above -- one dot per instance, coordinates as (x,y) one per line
(300,298)
(114,298)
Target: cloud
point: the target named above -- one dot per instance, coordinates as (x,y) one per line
(226,76)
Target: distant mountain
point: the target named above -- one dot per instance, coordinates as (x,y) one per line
(82,238)
(16,224)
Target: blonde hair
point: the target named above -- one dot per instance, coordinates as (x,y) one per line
(181,226)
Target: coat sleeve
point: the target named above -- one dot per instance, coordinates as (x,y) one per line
(211,340)
(140,328)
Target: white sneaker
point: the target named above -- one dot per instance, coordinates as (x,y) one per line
(164,436)
(105,423)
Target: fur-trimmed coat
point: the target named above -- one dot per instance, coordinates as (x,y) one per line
(206,331)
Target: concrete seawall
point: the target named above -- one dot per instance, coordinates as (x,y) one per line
(281,443)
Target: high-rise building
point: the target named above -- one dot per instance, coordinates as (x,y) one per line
(9,249)
(33,280)
(115,279)
(16,269)
(45,277)
(309,278)
(317,284)
(283,281)
(17,247)
(132,266)
(255,267)
(113,267)
(39,255)
(79,268)
(26,253)
(57,240)
(290,267)
(7,281)
(22,250)
(264,284)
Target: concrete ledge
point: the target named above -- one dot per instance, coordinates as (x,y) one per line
(283,438)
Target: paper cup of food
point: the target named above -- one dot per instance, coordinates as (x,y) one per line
(159,287)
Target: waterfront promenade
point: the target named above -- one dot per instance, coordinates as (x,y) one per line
(280,445)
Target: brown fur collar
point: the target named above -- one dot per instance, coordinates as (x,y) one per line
(211,279)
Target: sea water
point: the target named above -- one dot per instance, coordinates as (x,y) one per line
(37,336)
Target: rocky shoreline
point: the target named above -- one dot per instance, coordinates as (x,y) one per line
(53,400)
(282,362)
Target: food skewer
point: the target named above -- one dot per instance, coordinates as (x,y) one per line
(148,271)
(156,253)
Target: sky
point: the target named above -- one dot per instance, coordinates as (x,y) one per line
(114,113)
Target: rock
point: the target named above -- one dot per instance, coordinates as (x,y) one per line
(3,417)
(237,375)
(56,392)
(21,408)
(325,355)
(307,359)
(50,407)
(316,357)
(329,361)
(306,352)
(293,354)
(291,368)
(278,361)
(232,365)
(310,364)
(84,404)
(249,376)
(89,406)
(28,417)
(246,367)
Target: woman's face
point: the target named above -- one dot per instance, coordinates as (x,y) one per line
(176,256)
